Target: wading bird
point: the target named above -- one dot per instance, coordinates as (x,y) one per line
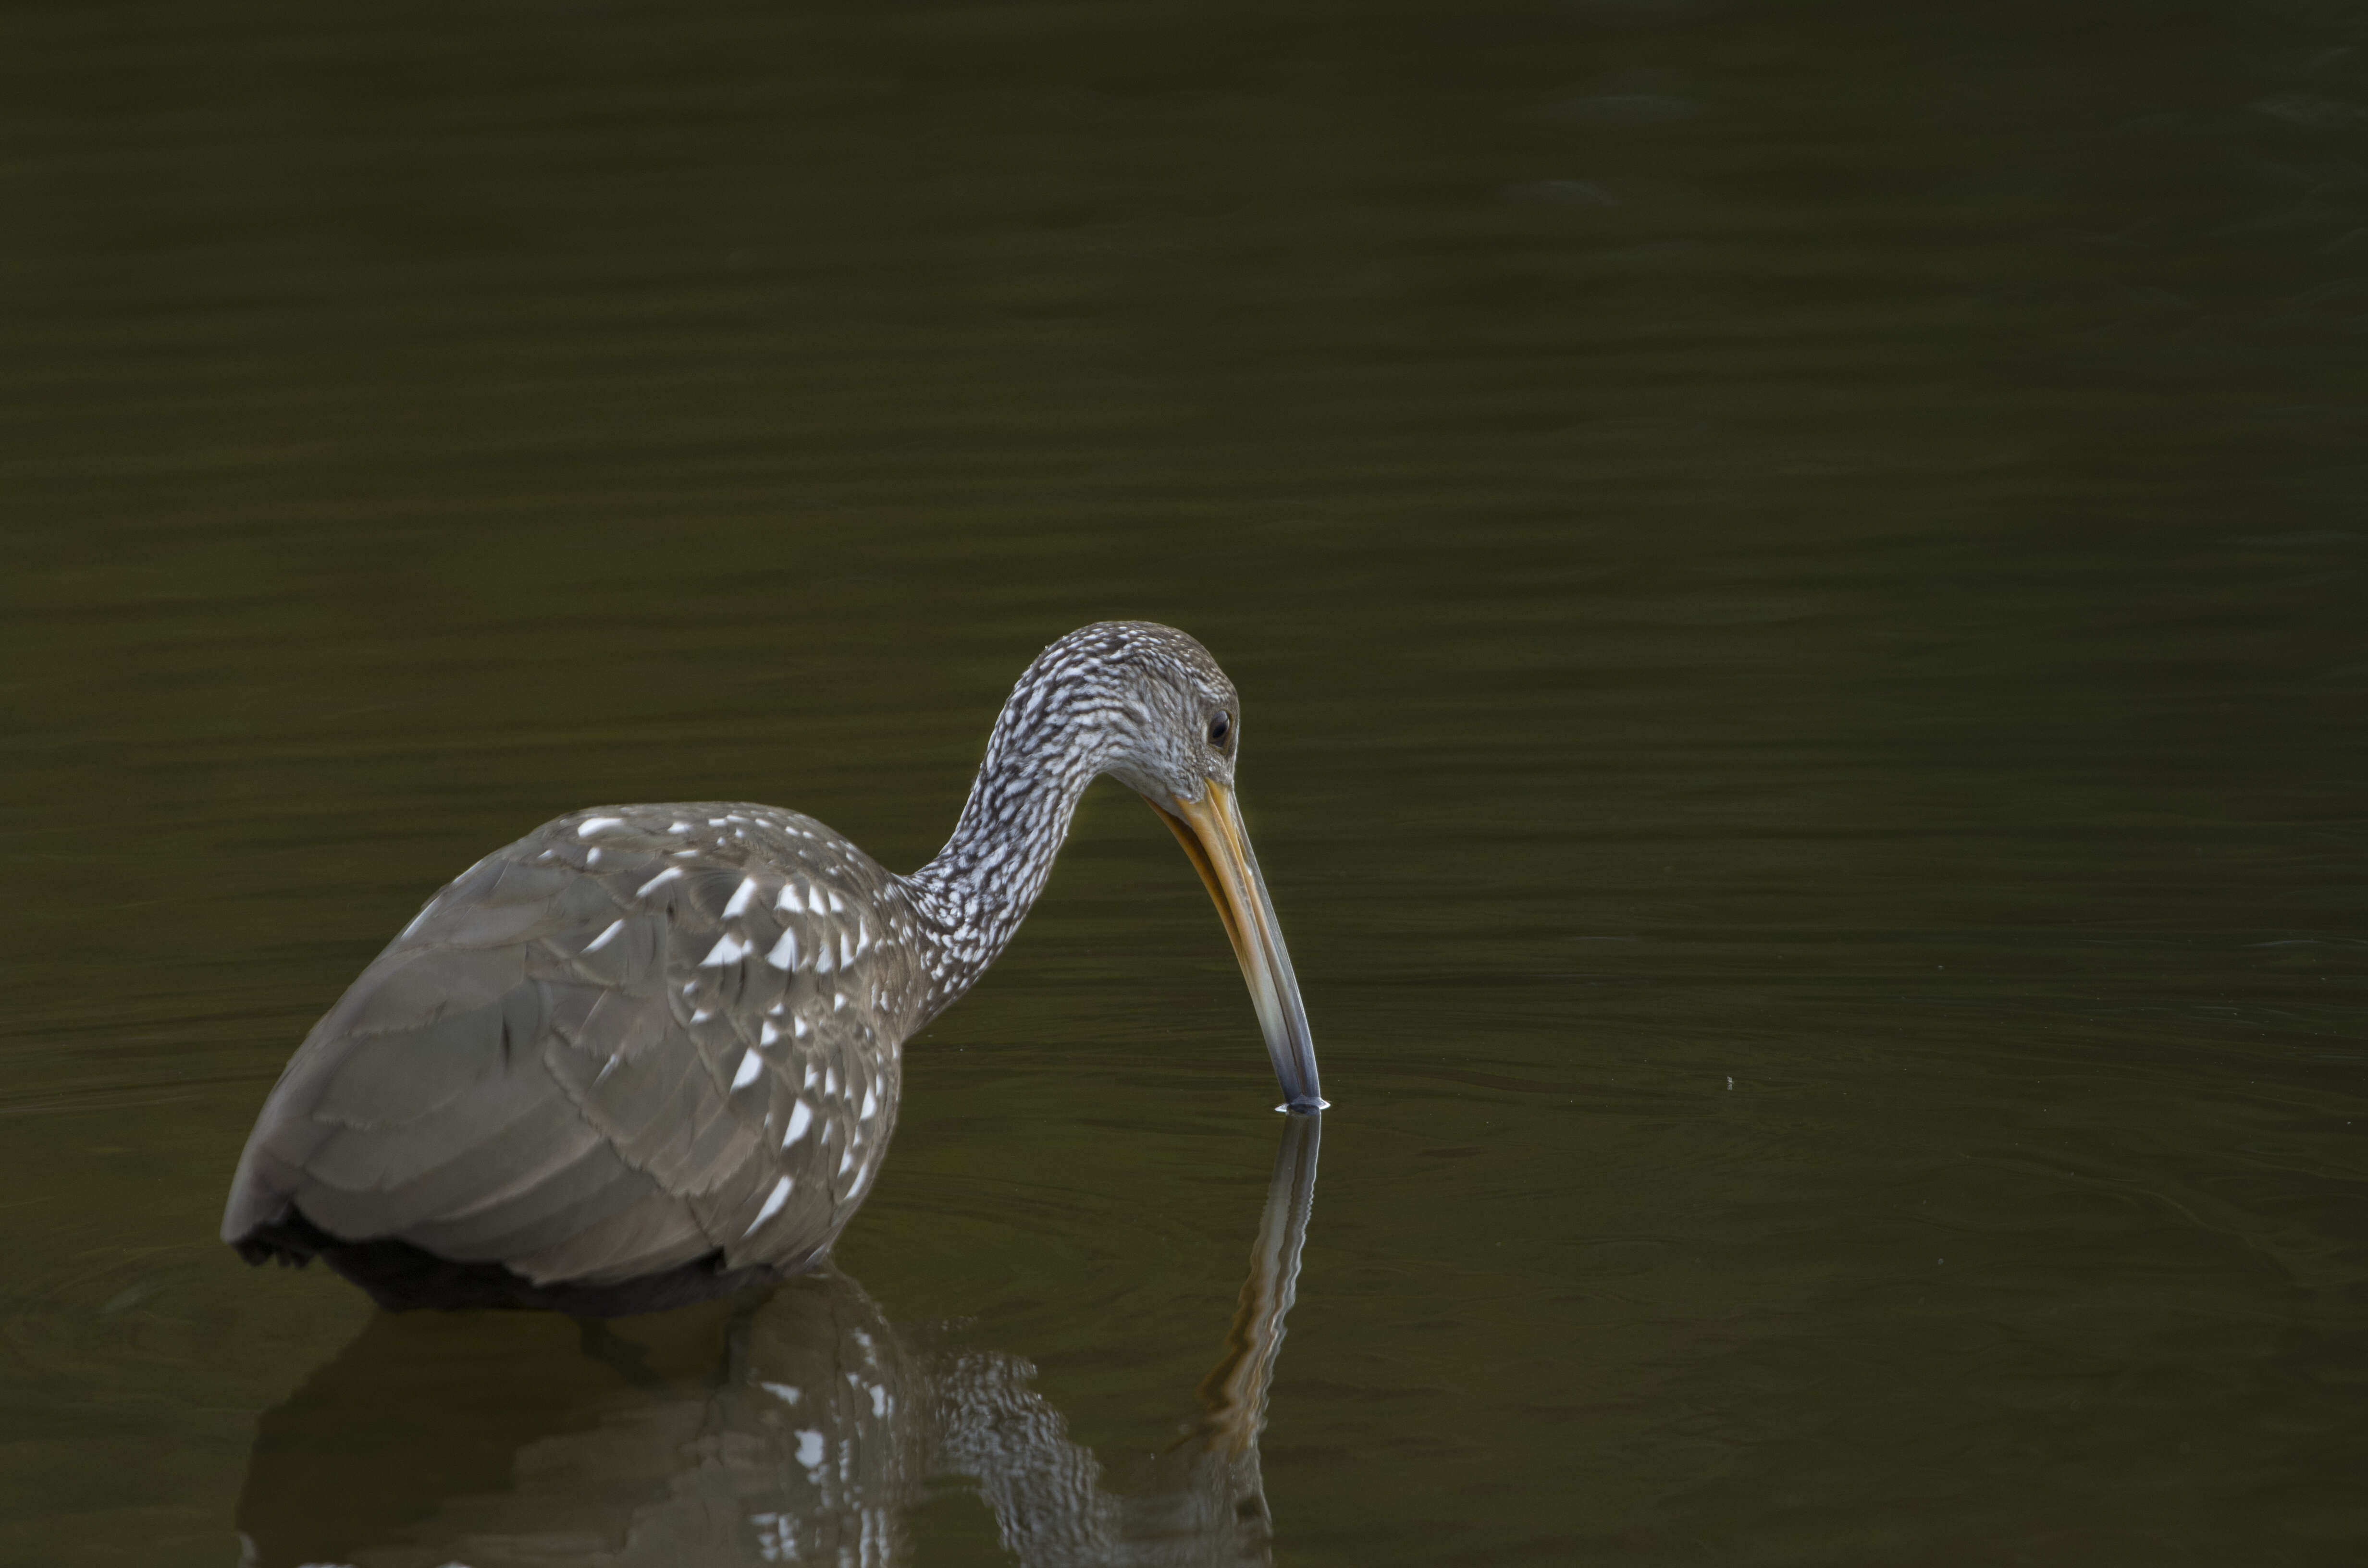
(649,1055)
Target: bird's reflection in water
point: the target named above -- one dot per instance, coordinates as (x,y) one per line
(797,1429)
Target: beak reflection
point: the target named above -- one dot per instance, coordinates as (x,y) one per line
(802,1426)
(1211,831)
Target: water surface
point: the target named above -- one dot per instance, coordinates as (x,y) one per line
(1795,578)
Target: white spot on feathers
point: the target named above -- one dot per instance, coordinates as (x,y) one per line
(801,1118)
(605,938)
(741,898)
(728,949)
(672,873)
(750,1065)
(785,952)
(591,825)
(780,1195)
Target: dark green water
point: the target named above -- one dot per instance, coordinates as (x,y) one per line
(1797,579)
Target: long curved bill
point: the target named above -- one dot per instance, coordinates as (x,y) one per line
(1211,831)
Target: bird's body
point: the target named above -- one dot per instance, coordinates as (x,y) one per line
(637,1037)
(648,1052)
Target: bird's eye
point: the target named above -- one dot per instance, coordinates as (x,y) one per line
(1220,727)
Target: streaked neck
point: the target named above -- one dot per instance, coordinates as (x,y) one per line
(974,895)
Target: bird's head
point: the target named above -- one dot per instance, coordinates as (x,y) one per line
(1145,704)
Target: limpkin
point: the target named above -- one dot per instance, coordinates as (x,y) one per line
(649,1055)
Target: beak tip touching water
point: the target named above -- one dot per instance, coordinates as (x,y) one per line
(1210,830)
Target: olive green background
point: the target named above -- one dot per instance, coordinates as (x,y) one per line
(1795,573)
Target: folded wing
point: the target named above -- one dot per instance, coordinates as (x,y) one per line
(633,1040)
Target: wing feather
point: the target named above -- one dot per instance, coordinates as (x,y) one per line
(593,1187)
(621,1044)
